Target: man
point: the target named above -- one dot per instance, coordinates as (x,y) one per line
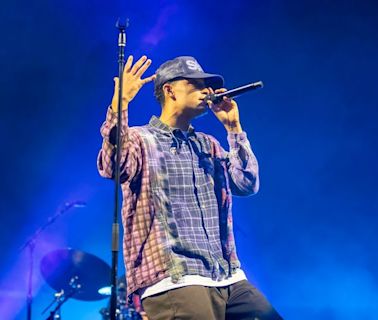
(177,183)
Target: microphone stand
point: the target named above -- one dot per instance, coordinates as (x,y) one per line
(31,245)
(115,226)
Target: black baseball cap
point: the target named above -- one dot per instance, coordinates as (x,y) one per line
(188,68)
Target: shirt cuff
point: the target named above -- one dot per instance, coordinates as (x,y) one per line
(236,139)
(111,123)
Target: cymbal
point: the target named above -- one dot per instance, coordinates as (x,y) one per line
(61,266)
(121,287)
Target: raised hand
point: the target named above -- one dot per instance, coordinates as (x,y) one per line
(132,81)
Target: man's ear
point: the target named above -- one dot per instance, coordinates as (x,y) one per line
(169,91)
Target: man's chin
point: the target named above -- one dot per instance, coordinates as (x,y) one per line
(201,111)
(202,106)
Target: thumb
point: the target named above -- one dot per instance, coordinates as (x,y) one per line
(116,83)
(115,94)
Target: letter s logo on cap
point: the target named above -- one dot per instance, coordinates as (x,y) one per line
(193,65)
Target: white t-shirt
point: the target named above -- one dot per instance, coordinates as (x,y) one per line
(192,280)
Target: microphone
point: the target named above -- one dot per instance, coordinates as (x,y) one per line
(233,93)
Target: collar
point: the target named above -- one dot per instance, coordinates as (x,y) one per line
(156,123)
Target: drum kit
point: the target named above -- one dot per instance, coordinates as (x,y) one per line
(75,274)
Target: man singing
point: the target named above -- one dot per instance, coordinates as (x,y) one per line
(177,186)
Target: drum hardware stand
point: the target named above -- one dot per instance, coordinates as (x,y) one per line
(60,298)
(30,244)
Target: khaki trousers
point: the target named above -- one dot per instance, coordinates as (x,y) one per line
(240,301)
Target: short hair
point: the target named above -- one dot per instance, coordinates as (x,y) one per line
(159,92)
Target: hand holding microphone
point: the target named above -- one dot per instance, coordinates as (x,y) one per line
(225,109)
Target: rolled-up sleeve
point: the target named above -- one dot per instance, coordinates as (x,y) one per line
(130,149)
(243,167)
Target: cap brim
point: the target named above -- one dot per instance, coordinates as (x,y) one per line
(215,81)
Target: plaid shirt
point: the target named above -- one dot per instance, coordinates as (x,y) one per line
(177,199)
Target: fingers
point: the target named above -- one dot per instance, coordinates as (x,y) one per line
(138,64)
(139,68)
(212,91)
(221,90)
(115,94)
(116,83)
(129,63)
(149,79)
(143,68)
(210,104)
(225,105)
(132,81)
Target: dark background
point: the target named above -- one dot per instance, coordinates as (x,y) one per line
(308,239)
